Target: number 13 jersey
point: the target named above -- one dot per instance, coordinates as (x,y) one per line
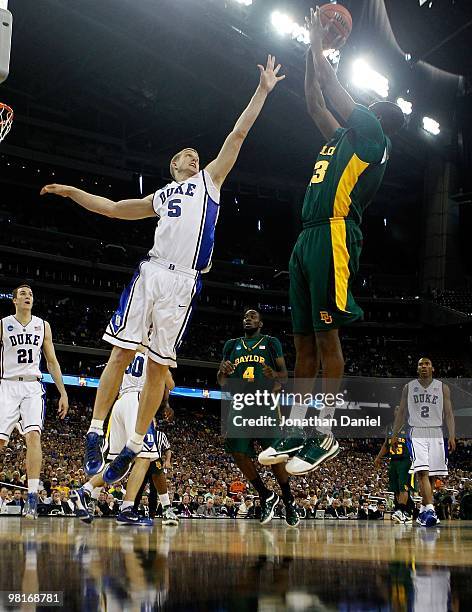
(425,405)
(21,347)
(188,213)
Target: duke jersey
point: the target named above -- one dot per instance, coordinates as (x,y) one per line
(425,405)
(21,347)
(348,171)
(133,378)
(188,213)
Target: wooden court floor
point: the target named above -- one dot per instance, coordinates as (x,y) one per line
(238,565)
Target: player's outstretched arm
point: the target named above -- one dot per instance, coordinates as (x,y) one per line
(220,167)
(129,210)
(55,370)
(315,102)
(382,452)
(338,97)
(449,417)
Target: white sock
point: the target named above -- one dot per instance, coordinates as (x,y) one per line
(430,507)
(96,493)
(96,426)
(126,504)
(33,485)
(422,508)
(135,443)
(298,411)
(164,499)
(88,486)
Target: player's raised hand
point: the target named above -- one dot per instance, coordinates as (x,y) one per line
(60,190)
(227,368)
(318,32)
(63,406)
(269,78)
(451,444)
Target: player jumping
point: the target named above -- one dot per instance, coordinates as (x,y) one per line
(166,284)
(23,337)
(346,176)
(426,403)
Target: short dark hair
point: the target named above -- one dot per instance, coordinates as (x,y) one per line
(246,310)
(15,291)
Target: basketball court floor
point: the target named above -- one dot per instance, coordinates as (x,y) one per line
(238,565)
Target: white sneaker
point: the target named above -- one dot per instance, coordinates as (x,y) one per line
(398,517)
(169,517)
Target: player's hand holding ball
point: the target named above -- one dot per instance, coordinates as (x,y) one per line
(269,78)
(329,26)
(60,190)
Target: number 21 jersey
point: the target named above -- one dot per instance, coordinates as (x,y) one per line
(21,347)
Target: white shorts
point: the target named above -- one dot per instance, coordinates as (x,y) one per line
(23,400)
(428,452)
(161,294)
(122,424)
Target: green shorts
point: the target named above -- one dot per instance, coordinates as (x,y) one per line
(322,268)
(245,446)
(399,480)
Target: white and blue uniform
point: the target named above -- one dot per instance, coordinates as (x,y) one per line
(165,286)
(125,412)
(427,446)
(22,395)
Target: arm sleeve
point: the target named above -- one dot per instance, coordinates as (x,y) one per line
(277,347)
(369,138)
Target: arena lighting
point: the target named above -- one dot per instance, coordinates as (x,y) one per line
(244,2)
(285,25)
(364,77)
(407,107)
(431,126)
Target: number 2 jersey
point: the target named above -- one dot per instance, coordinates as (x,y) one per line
(21,347)
(348,171)
(425,405)
(188,213)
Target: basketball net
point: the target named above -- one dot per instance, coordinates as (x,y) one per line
(6,120)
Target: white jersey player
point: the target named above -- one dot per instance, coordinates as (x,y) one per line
(426,406)
(163,289)
(120,427)
(23,338)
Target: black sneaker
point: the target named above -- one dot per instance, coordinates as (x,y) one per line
(268,508)
(291,515)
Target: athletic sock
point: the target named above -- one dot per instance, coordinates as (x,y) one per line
(165,501)
(126,504)
(96,493)
(298,411)
(287,496)
(430,507)
(135,443)
(96,426)
(88,486)
(33,485)
(260,487)
(422,508)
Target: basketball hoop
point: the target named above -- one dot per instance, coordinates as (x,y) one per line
(6,120)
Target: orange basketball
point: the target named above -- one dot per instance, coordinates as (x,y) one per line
(340,25)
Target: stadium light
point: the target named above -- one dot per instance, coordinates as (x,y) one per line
(407,107)
(364,77)
(431,126)
(285,25)
(245,2)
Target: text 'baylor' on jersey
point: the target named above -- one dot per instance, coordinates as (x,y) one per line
(250,355)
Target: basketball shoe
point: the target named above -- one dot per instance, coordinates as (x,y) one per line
(95,447)
(314,452)
(129,516)
(268,508)
(120,466)
(30,510)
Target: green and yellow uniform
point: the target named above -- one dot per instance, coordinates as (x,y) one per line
(346,176)
(399,479)
(249,356)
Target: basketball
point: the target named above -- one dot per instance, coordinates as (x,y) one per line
(340,25)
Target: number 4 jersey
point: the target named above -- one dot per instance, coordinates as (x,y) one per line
(21,347)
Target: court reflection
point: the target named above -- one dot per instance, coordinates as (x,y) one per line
(207,565)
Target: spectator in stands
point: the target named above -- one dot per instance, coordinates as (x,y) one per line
(4,498)
(185,507)
(117,491)
(229,509)
(17,499)
(207,510)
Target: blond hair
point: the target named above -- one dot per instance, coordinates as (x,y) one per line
(176,157)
